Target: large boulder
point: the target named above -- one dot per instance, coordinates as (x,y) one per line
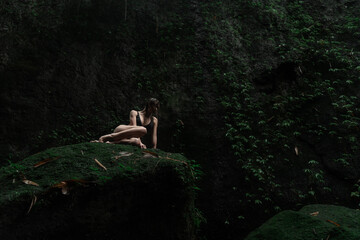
(63,193)
(311,222)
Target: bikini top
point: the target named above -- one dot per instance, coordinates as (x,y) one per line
(148,127)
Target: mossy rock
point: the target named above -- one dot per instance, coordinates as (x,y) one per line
(138,196)
(314,222)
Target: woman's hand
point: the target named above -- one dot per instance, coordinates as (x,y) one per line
(140,144)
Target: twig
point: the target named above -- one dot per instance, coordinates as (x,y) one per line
(99,163)
(33,201)
(336,224)
(28,182)
(45,161)
(152,153)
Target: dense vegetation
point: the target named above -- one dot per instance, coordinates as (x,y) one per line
(300,115)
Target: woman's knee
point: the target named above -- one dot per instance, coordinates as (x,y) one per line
(120,128)
(142,130)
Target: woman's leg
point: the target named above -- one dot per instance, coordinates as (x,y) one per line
(132,141)
(123,132)
(121,128)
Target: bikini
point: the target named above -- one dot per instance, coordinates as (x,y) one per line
(148,127)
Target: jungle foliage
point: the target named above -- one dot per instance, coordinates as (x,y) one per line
(286,75)
(283,121)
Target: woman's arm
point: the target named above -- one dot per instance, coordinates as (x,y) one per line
(133,114)
(154,135)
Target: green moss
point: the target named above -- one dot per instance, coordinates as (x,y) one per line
(301,225)
(136,196)
(76,162)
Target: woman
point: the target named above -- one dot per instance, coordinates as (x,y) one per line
(141,123)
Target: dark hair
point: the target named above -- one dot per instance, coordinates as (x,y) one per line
(151,102)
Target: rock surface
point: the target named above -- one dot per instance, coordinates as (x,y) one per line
(139,195)
(311,222)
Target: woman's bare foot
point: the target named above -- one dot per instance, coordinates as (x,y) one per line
(132,141)
(105,138)
(136,142)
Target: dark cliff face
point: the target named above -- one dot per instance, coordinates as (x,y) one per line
(264,94)
(73,71)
